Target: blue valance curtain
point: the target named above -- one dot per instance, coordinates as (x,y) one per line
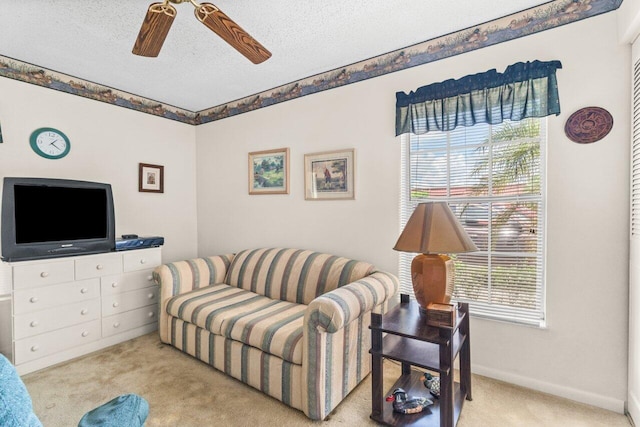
(524,90)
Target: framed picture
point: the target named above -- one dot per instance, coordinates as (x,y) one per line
(150,178)
(329,175)
(269,172)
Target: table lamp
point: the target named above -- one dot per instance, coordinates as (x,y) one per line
(432,230)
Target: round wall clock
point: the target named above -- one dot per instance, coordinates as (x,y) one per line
(589,124)
(50,143)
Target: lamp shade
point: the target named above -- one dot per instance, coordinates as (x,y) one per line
(434,229)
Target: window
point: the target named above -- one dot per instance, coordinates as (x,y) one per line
(492,177)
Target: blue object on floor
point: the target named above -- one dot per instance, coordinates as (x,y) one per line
(128,410)
(16,408)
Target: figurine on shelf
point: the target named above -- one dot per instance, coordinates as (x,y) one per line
(432,383)
(404,404)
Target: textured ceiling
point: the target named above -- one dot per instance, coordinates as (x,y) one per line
(196,70)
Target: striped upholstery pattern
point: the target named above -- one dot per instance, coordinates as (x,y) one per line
(293,275)
(208,307)
(183,276)
(274,327)
(292,323)
(337,341)
(270,325)
(270,374)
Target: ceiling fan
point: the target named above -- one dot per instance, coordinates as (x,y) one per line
(160,16)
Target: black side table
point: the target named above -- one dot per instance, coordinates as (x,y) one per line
(410,341)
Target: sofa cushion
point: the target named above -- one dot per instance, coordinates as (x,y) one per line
(270,325)
(209,306)
(293,275)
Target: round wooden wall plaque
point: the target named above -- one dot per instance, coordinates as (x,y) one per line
(589,124)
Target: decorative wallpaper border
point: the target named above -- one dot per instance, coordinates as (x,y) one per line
(33,74)
(549,15)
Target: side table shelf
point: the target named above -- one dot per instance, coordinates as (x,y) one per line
(410,341)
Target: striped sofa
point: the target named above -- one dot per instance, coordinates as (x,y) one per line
(292,323)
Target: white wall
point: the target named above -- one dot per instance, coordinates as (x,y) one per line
(582,354)
(107,143)
(364,228)
(629,20)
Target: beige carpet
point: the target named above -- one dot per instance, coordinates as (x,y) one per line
(185,392)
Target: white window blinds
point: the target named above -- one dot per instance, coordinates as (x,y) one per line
(492,178)
(635,154)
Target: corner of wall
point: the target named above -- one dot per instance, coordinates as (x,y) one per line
(629,21)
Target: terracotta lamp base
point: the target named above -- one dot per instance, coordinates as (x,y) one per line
(432,277)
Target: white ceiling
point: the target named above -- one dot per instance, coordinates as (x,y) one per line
(196,70)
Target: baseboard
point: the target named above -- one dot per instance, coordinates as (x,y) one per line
(604,402)
(633,408)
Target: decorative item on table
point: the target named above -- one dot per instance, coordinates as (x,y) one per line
(441,314)
(432,383)
(404,404)
(432,230)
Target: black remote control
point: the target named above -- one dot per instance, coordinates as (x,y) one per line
(129,236)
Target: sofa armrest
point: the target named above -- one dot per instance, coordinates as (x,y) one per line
(336,309)
(178,277)
(336,340)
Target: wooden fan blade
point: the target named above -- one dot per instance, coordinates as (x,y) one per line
(154,29)
(232,33)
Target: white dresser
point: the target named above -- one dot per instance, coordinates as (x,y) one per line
(66,307)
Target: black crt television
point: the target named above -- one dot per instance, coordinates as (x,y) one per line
(48,218)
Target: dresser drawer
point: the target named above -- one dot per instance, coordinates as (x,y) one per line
(42,345)
(29,300)
(98,265)
(29,324)
(142,259)
(130,320)
(119,303)
(42,273)
(126,282)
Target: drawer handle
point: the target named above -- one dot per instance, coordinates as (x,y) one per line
(151,296)
(115,304)
(99,267)
(44,274)
(143,261)
(84,311)
(34,324)
(149,278)
(34,348)
(84,290)
(85,333)
(116,325)
(151,314)
(33,299)
(114,285)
